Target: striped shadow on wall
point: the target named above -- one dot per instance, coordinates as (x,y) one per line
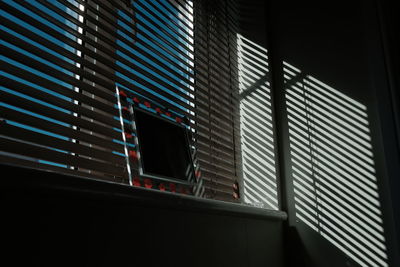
(333,169)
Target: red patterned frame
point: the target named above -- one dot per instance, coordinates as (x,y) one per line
(127,102)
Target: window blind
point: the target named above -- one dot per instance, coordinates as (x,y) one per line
(53,115)
(64,61)
(218,134)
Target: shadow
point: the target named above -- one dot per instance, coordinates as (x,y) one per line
(333,169)
(297,249)
(256,127)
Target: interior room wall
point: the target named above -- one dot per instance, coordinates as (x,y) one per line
(55,220)
(339,45)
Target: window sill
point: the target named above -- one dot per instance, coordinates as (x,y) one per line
(66,185)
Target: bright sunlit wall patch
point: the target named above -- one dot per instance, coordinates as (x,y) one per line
(333,169)
(256,126)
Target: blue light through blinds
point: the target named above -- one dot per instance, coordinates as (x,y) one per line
(161,55)
(64,61)
(61,64)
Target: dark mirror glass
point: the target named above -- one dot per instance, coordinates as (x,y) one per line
(164,146)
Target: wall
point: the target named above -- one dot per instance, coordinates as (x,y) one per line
(327,52)
(53,220)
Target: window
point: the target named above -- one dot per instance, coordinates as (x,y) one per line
(73,68)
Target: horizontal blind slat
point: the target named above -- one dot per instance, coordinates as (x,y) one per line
(55,87)
(29,150)
(57,143)
(7,159)
(68,132)
(60,116)
(59,102)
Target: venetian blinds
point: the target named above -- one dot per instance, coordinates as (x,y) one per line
(218,135)
(64,62)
